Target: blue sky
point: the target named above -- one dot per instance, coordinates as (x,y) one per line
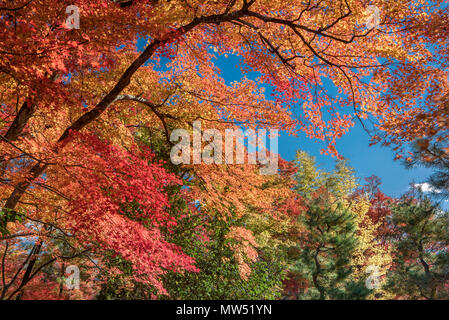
(366,160)
(354,146)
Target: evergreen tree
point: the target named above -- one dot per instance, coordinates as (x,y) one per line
(434,156)
(328,240)
(328,243)
(420,240)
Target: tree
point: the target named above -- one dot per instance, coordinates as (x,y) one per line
(327,246)
(380,205)
(339,182)
(419,241)
(73,102)
(436,157)
(237,252)
(371,258)
(337,214)
(327,238)
(232,264)
(416,106)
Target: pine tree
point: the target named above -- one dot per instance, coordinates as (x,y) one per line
(328,244)
(328,240)
(420,240)
(434,156)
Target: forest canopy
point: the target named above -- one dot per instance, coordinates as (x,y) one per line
(92,93)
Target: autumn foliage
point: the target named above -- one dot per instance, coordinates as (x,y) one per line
(85,121)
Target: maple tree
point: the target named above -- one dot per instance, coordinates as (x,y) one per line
(417,102)
(86,115)
(372,258)
(380,203)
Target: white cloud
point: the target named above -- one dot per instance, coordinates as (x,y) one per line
(425,187)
